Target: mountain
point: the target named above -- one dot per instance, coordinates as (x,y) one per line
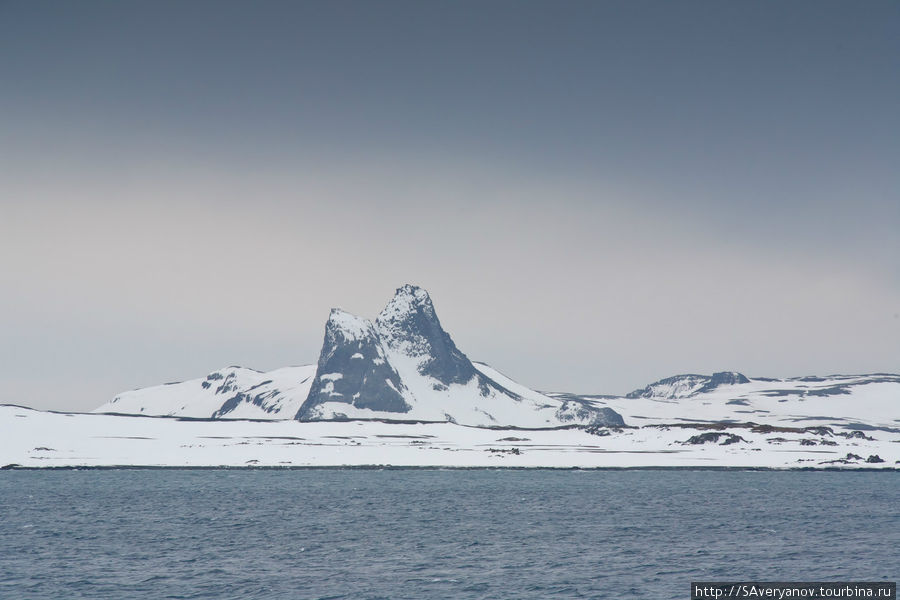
(848,401)
(229,393)
(411,330)
(352,370)
(685,386)
(404,366)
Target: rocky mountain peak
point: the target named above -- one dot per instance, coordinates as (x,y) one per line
(410,329)
(409,304)
(352,370)
(348,326)
(686,386)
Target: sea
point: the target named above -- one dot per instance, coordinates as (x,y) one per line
(429,533)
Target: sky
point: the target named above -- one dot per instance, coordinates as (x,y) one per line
(595,194)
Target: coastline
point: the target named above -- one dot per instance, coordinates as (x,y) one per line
(442,468)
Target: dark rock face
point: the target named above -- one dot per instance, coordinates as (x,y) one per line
(353,369)
(836,390)
(410,325)
(723,378)
(855,435)
(713,437)
(847,460)
(581,411)
(235,401)
(229,385)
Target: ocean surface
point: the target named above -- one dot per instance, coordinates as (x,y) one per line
(419,534)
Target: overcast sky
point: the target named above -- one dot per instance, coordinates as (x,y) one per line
(596,194)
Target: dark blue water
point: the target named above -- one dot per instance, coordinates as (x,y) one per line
(436,533)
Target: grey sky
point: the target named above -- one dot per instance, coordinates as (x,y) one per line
(596,194)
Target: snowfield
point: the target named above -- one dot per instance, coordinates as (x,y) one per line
(46,439)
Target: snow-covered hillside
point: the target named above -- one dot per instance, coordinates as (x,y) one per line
(404,366)
(843,401)
(229,393)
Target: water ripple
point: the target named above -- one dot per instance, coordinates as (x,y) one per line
(467,534)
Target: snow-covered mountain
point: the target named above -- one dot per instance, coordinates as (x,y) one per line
(685,386)
(353,374)
(845,401)
(404,366)
(229,393)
